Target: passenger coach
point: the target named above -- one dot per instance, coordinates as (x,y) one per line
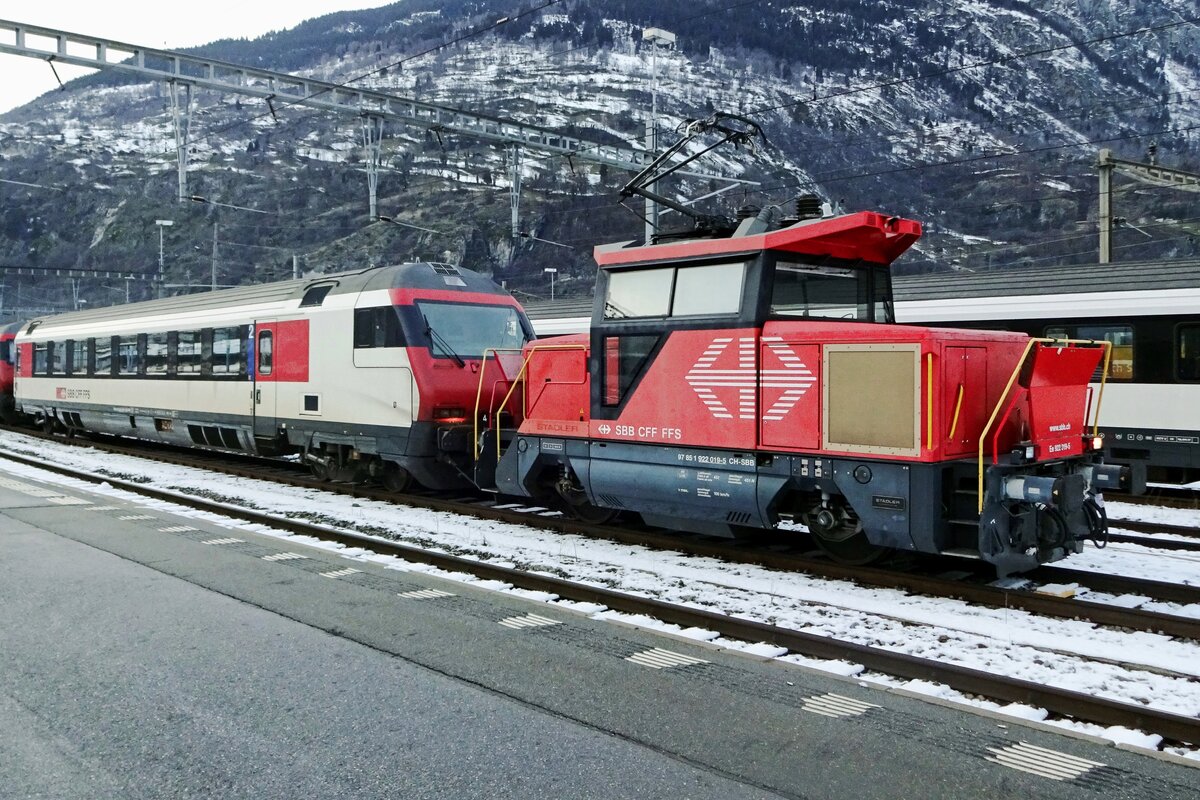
(1149,311)
(362,373)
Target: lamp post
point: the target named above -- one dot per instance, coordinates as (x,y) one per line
(552,271)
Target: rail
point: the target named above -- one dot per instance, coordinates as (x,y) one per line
(1107,345)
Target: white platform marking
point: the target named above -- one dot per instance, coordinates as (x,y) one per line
(340,573)
(657,658)
(102,508)
(67,500)
(1039,761)
(836,705)
(177,529)
(226,540)
(425,594)
(283,557)
(129,517)
(528,621)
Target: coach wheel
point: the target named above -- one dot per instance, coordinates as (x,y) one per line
(396,478)
(842,538)
(319,470)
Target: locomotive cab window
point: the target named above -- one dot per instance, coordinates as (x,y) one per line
(377,327)
(705,290)
(624,357)
(1187,353)
(801,289)
(463,330)
(6,351)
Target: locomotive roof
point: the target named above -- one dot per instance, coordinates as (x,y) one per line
(863,236)
(415,275)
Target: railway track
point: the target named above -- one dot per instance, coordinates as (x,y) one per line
(1175,728)
(944,577)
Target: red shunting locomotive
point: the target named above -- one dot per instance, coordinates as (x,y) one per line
(758,381)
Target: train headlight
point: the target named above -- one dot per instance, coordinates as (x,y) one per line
(1097,442)
(450,415)
(1030,452)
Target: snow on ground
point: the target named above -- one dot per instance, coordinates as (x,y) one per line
(1134,667)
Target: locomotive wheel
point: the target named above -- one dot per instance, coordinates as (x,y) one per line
(576,505)
(844,541)
(396,479)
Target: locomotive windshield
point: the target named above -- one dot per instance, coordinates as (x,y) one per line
(467,331)
(862,293)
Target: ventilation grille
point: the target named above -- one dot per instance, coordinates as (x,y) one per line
(610,501)
(739,517)
(445,269)
(207,436)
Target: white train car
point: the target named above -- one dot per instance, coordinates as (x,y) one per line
(368,372)
(1149,310)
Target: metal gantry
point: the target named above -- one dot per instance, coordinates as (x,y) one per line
(184,71)
(1150,173)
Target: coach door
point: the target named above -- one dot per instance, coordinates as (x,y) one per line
(265,379)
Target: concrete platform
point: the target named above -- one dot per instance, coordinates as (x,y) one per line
(145,654)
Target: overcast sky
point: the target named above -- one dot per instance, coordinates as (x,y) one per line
(150,24)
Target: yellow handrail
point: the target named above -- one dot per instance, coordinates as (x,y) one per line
(957,408)
(929,401)
(517,380)
(1107,345)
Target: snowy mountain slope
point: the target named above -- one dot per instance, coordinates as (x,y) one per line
(981,119)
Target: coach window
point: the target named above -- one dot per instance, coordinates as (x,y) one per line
(77,357)
(156,353)
(265,355)
(639,293)
(58,363)
(227,351)
(103,359)
(187,353)
(41,360)
(127,355)
(1187,352)
(1121,366)
(712,289)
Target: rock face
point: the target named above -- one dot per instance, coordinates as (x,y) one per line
(981,119)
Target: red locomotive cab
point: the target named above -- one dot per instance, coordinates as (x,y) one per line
(758,381)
